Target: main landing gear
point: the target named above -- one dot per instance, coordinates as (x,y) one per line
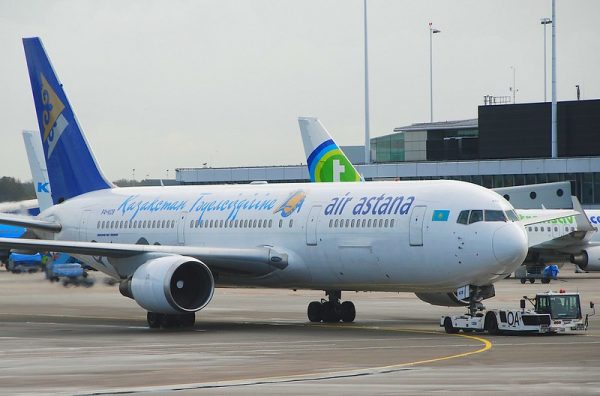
(331,311)
(168,321)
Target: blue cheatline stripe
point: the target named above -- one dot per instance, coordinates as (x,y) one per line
(440,215)
(72,169)
(318,153)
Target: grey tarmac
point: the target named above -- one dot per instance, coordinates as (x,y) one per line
(75,340)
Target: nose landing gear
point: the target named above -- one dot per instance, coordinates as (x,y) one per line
(331,310)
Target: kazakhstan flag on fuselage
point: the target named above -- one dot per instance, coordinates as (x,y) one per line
(440,215)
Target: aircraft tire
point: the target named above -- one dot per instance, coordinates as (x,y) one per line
(329,313)
(314,311)
(187,320)
(347,311)
(153,319)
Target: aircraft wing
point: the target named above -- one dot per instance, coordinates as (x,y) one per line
(554,215)
(252,261)
(29,222)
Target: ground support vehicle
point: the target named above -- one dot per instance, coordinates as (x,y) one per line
(552,313)
(64,268)
(24,262)
(531,273)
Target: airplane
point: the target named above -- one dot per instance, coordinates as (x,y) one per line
(170,246)
(37,165)
(570,239)
(325,160)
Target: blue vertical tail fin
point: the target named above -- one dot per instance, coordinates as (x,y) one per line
(72,168)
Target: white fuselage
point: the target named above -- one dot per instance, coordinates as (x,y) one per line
(346,236)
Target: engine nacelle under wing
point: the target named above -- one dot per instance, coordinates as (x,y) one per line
(445,299)
(588,259)
(171,285)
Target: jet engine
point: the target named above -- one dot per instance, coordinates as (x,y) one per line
(170,285)
(480,293)
(588,259)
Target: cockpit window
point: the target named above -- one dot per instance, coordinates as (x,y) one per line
(512,216)
(463,217)
(476,215)
(494,215)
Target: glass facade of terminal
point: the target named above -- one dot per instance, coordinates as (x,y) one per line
(426,145)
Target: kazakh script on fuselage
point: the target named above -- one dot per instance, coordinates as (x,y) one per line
(381,204)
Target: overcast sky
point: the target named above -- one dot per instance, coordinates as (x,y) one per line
(159,85)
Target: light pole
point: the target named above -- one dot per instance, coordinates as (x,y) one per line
(545,21)
(554,136)
(367,129)
(432,31)
(514,88)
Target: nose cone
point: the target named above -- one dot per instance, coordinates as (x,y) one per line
(510,245)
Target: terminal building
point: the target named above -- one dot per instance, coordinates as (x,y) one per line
(507,145)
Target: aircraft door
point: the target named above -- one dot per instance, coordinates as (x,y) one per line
(84,224)
(415,231)
(181,228)
(311,225)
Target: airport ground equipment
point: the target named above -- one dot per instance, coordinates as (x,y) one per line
(551,313)
(24,262)
(531,273)
(66,269)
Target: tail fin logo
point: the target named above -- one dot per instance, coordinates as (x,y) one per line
(54,122)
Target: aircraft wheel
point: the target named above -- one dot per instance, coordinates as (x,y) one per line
(153,319)
(328,313)
(347,311)
(187,320)
(314,311)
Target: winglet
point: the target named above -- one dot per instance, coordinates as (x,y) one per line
(326,161)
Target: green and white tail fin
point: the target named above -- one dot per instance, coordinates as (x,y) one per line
(326,161)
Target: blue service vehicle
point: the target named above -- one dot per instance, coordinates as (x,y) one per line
(65,268)
(24,262)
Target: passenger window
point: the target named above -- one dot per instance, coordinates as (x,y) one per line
(476,215)
(336,222)
(385,224)
(291,222)
(555,229)
(380,223)
(463,217)
(369,223)
(172,223)
(191,223)
(352,223)
(98,226)
(392,223)
(280,223)
(535,229)
(494,215)
(270,223)
(347,223)
(330,222)
(221,223)
(254,224)
(530,229)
